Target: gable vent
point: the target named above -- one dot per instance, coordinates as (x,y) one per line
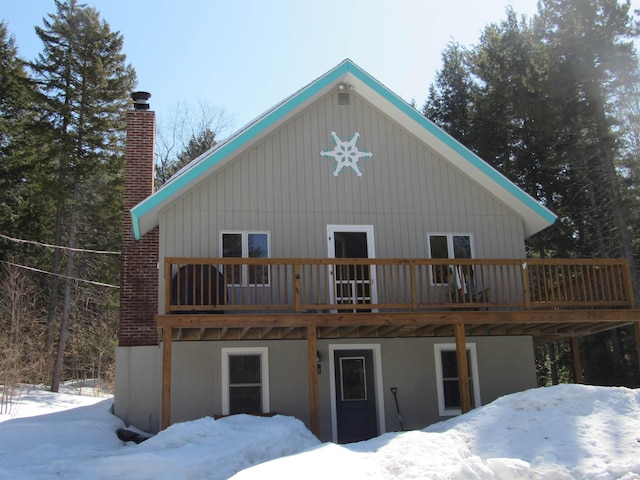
(344,98)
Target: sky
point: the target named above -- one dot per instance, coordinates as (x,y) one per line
(245,56)
(553,433)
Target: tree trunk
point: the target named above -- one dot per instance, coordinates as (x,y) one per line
(64,324)
(54,283)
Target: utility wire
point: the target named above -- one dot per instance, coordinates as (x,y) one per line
(18,240)
(60,275)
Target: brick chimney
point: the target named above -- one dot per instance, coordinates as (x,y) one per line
(139,275)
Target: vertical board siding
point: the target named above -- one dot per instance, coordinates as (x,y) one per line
(283,185)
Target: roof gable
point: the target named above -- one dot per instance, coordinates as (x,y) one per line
(535,216)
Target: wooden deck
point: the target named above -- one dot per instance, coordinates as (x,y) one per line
(235,299)
(311,299)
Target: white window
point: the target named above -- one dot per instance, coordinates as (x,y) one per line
(448,383)
(242,244)
(245,380)
(448,245)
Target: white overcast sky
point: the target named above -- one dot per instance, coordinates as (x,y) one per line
(245,56)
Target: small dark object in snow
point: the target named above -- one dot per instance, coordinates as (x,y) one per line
(130,436)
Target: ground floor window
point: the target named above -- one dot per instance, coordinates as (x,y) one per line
(245,380)
(447,378)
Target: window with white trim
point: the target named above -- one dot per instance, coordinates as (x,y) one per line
(447,379)
(448,245)
(245,244)
(245,380)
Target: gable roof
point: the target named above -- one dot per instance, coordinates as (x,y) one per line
(536,217)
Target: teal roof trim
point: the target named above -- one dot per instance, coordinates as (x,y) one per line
(280,111)
(452,143)
(234,144)
(136,227)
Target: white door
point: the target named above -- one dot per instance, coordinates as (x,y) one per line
(352,284)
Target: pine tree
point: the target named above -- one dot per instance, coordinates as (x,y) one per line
(591,43)
(553,109)
(84,83)
(450,101)
(21,202)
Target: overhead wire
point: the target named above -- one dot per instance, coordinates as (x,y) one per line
(100,284)
(81,250)
(47,245)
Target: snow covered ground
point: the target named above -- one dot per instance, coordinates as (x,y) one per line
(561,432)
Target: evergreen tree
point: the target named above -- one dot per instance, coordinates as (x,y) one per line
(84,86)
(450,101)
(21,199)
(519,128)
(594,59)
(553,109)
(196,146)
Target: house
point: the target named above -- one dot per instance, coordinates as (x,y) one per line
(344,261)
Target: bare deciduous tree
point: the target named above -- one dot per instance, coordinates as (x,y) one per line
(190,131)
(22,329)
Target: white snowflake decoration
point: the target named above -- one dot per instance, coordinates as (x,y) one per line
(346,154)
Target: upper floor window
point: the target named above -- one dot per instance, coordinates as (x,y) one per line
(448,245)
(243,244)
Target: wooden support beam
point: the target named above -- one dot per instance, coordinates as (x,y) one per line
(444,331)
(479,330)
(366,331)
(348,331)
(294,333)
(258,320)
(265,331)
(312,360)
(577,366)
(637,327)
(463,368)
(326,331)
(426,331)
(384,331)
(285,331)
(166,376)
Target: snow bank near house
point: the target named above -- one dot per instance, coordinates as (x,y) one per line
(561,432)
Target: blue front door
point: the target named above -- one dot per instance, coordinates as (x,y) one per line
(355,395)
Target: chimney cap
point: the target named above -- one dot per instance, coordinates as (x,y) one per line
(141,100)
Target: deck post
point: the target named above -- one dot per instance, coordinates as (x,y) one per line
(463,368)
(312,361)
(577,366)
(526,287)
(414,286)
(167,333)
(637,329)
(296,286)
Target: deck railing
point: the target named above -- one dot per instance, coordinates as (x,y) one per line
(298,285)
